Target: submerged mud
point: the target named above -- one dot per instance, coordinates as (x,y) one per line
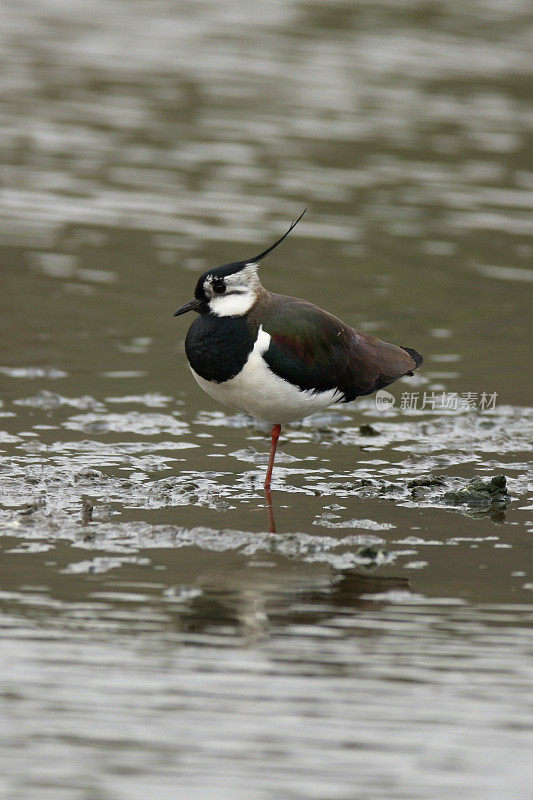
(131,480)
(58,479)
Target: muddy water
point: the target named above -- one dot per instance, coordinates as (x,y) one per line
(157,641)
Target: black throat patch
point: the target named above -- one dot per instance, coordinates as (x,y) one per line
(218,347)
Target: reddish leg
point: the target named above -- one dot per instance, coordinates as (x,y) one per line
(271,520)
(274,433)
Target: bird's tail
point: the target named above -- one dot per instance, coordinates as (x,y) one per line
(415,355)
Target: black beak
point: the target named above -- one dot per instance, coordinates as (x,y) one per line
(192,305)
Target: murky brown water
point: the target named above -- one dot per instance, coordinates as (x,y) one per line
(156,641)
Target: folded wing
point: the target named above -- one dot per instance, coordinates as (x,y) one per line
(318,352)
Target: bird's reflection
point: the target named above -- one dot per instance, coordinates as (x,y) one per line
(353,588)
(254,603)
(270,508)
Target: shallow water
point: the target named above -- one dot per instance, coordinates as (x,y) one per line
(157,641)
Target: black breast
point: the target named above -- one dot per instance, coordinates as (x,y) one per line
(218,347)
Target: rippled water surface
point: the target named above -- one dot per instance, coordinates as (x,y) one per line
(156,640)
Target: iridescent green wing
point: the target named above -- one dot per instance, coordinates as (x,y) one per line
(317,352)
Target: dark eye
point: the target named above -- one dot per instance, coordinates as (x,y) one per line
(219,287)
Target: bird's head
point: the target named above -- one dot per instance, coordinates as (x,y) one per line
(232,289)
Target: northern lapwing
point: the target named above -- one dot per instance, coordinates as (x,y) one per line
(279,358)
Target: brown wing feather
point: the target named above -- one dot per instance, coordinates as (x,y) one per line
(317,351)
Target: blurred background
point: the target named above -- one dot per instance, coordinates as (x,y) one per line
(156,641)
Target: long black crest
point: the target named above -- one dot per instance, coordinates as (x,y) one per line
(269,249)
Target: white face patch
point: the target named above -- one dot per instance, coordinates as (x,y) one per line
(234,304)
(240,294)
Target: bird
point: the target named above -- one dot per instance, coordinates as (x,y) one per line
(278,358)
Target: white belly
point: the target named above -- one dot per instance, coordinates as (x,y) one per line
(257,391)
